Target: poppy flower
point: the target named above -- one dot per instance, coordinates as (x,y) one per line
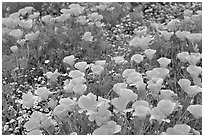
(183,56)
(134,80)
(137,58)
(16,33)
(78,81)
(166,35)
(140,85)
(195,110)
(182,34)
(87,36)
(179,129)
(95,17)
(119,60)
(46,18)
(155,85)
(128,94)
(69,87)
(187,12)
(68,103)
(152,74)
(173,24)
(76,73)
(167,94)
(193,90)
(127,72)
(5,31)
(73,133)
(28,99)
(36,115)
(97,69)
(107,129)
(194,37)
(194,70)
(163,62)
(141,109)
(14,49)
(10,22)
(163,72)
(99,24)
(87,102)
(46,121)
(34,15)
(35,132)
(43,93)
(120,103)
(59,111)
(82,66)
(193,60)
(82,20)
(80,89)
(21,42)
(184,83)
(149,53)
(14,15)
(53,76)
(101,62)
(118,86)
(166,107)
(32,36)
(142,42)
(157,114)
(69,60)
(26,24)
(76,9)
(32,124)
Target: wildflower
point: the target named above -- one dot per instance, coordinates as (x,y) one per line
(82,20)
(28,99)
(14,49)
(80,89)
(157,114)
(192,90)
(5,31)
(155,85)
(32,36)
(164,62)
(59,111)
(107,129)
(34,15)
(194,37)
(10,22)
(101,62)
(76,74)
(120,103)
(95,17)
(166,35)
(68,104)
(194,70)
(127,72)
(166,107)
(183,56)
(46,122)
(182,34)
(137,58)
(32,124)
(69,60)
(140,42)
(78,81)
(69,87)
(16,33)
(82,66)
(119,60)
(134,79)
(167,94)
(97,69)
(152,74)
(76,9)
(184,83)
(99,24)
(87,36)
(149,53)
(195,110)
(26,24)
(187,12)
(14,15)
(128,94)
(87,102)
(118,86)
(192,59)
(179,129)
(163,72)
(73,133)
(21,42)
(173,24)
(43,93)
(46,18)
(35,132)
(141,109)
(53,76)
(52,103)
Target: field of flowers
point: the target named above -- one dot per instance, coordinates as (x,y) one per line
(102,68)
